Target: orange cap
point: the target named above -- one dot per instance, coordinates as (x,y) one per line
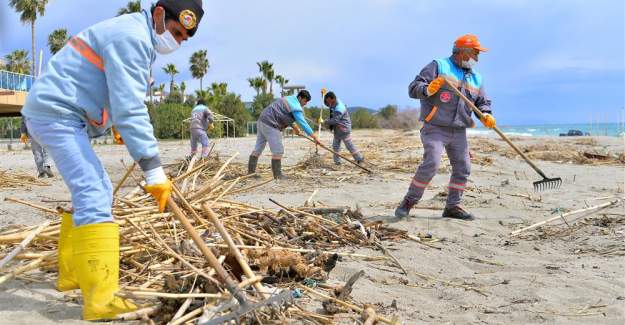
(469,41)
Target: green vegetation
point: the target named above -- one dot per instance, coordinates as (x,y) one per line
(57,39)
(29,10)
(18,62)
(198,65)
(132,6)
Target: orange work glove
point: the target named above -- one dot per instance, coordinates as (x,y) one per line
(435,85)
(488,121)
(117,138)
(161,193)
(211,126)
(24,138)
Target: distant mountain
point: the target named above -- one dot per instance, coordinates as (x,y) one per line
(351,110)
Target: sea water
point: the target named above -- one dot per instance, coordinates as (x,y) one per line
(597,129)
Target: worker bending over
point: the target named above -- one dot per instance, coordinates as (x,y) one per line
(201,119)
(276,117)
(341,125)
(98,80)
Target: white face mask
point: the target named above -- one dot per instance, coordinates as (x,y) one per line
(469,64)
(165,43)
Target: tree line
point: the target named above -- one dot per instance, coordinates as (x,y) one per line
(169,110)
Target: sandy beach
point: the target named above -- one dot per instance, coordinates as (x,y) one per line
(471,273)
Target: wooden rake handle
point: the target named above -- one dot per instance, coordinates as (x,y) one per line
(336,153)
(501,134)
(210,257)
(234,250)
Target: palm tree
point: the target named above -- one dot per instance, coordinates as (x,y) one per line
(282,82)
(29,10)
(17,61)
(132,6)
(161,89)
(57,39)
(183,87)
(171,70)
(257,83)
(204,94)
(198,64)
(266,69)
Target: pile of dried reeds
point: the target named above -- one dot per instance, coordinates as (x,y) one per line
(9,179)
(166,272)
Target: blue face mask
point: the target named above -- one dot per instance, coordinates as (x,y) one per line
(165,42)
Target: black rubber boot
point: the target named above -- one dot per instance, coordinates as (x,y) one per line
(276,168)
(457,213)
(403,210)
(251,165)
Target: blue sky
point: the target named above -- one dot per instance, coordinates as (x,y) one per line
(553,61)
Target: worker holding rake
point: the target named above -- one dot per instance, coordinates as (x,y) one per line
(98,80)
(341,125)
(276,117)
(446,118)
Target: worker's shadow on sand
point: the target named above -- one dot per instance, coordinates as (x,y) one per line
(41,298)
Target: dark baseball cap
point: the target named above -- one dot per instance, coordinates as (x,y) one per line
(188,12)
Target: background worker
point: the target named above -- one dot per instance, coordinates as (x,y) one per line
(276,117)
(99,79)
(201,119)
(446,118)
(341,125)
(42,159)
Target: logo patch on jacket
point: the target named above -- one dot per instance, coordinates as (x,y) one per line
(187,19)
(445,97)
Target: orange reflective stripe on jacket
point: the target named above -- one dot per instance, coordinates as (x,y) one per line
(87,52)
(431,115)
(90,55)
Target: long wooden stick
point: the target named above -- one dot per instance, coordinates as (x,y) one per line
(338,154)
(562,216)
(31,205)
(233,248)
(170,295)
(23,244)
(123,180)
(25,268)
(480,115)
(210,257)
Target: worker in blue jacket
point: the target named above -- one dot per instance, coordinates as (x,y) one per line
(276,117)
(99,80)
(341,125)
(446,118)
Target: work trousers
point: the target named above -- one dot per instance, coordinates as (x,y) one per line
(199,136)
(344,137)
(68,144)
(435,139)
(267,134)
(42,159)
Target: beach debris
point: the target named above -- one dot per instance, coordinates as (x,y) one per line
(564,215)
(266,252)
(12,180)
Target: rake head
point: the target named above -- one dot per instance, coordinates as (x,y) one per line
(276,303)
(547,184)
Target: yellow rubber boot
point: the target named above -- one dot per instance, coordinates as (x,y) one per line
(67,277)
(96,260)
